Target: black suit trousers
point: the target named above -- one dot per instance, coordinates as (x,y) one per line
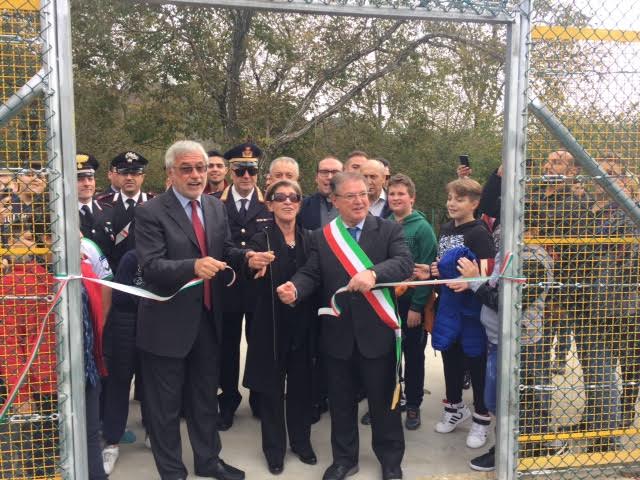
(378,377)
(298,409)
(230,397)
(165,379)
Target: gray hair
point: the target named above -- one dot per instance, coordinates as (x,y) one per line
(289,160)
(181,147)
(339,178)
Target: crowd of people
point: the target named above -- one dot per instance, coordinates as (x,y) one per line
(269,259)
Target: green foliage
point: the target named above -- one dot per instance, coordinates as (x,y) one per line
(416,93)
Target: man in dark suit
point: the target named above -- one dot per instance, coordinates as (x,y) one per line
(317,209)
(129,167)
(247,215)
(182,234)
(95,216)
(358,342)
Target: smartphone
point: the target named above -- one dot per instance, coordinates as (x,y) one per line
(464,160)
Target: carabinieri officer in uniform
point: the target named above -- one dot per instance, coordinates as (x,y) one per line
(247,215)
(129,166)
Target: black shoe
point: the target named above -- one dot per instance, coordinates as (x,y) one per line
(339,472)
(305,454)
(466,382)
(412,422)
(366,419)
(275,468)
(225,421)
(315,413)
(317,409)
(222,471)
(484,463)
(391,473)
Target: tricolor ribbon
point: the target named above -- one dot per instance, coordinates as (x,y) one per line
(354,260)
(335,310)
(64,280)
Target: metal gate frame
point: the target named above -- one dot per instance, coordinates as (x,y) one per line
(59,107)
(61,150)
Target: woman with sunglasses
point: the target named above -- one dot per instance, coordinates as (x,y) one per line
(280,347)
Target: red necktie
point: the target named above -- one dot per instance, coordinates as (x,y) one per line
(202,242)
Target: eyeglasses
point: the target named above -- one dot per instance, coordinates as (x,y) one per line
(326,173)
(240,171)
(352,196)
(282,197)
(187,169)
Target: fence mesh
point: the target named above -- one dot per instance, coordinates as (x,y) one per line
(29,417)
(580,326)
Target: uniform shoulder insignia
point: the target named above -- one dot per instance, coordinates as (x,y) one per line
(225,194)
(105,197)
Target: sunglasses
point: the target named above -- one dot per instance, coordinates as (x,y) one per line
(240,171)
(282,197)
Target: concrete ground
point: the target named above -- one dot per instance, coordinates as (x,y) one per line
(428,455)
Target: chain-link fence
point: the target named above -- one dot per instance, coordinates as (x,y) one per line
(32,349)
(29,428)
(580,326)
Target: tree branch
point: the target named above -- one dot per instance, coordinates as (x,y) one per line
(288,135)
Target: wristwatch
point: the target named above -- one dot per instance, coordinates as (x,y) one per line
(375,277)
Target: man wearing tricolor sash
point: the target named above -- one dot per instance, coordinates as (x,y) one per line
(361,336)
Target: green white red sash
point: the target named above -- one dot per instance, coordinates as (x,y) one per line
(354,260)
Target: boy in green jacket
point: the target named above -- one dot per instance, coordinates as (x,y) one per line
(423,245)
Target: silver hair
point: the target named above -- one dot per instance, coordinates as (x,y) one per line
(339,178)
(288,160)
(181,147)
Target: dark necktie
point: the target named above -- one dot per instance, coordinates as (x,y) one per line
(202,242)
(86,219)
(131,203)
(243,207)
(353,231)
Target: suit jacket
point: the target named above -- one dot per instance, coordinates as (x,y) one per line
(239,297)
(101,229)
(386,211)
(383,242)
(310,217)
(167,249)
(276,329)
(120,220)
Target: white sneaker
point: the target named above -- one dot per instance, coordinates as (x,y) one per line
(479,431)
(452,416)
(109,458)
(147,440)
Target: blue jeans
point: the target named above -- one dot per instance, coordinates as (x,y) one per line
(491,378)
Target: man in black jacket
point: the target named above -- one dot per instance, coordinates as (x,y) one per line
(182,234)
(358,341)
(317,209)
(95,216)
(247,215)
